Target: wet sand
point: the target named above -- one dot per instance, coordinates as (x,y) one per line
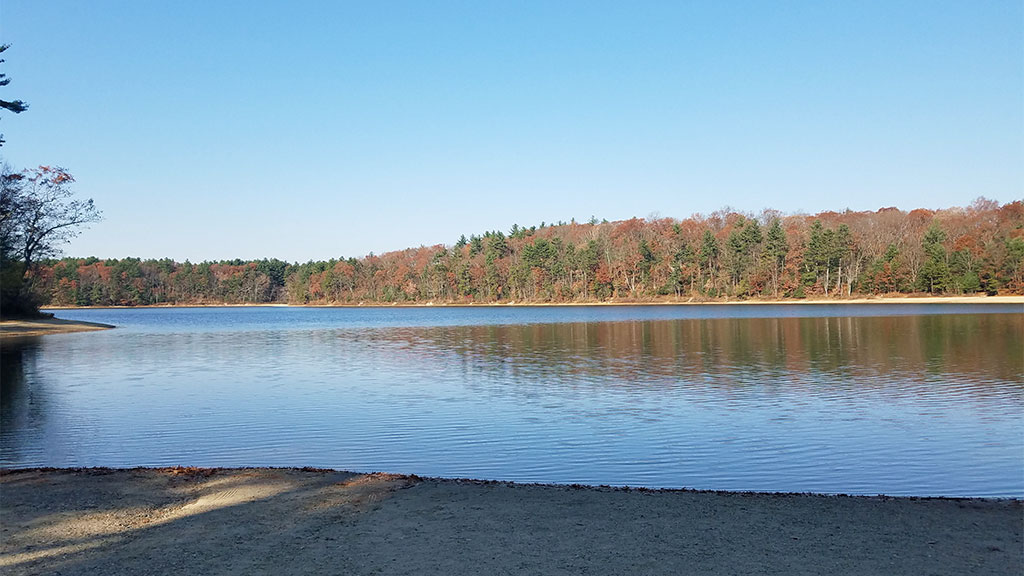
(289,521)
(44,326)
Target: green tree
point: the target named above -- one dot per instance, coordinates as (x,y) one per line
(587,261)
(774,254)
(274,269)
(708,260)
(934,274)
(647,261)
(742,246)
(825,255)
(1013,264)
(816,257)
(842,257)
(963,277)
(681,273)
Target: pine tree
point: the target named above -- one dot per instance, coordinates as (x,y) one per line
(775,251)
(16,106)
(934,275)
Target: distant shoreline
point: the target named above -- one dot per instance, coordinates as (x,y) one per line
(45,326)
(1012,299)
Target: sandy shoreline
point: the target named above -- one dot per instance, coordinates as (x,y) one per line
(877,300)
(44,326)
(227,521)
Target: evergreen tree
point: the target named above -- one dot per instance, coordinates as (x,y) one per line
(775,251)
(708,260)
(934,274)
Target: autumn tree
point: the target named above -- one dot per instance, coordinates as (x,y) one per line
(38,214)
(727,253)
(886,274)
(49,213)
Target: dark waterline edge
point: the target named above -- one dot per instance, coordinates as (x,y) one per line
(193,471)
(951,306)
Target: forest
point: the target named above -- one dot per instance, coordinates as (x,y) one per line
(727,255)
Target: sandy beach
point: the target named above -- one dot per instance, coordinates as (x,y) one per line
(44,326)
(289,521)
(292,521)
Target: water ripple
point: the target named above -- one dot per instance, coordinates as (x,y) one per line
(897,404)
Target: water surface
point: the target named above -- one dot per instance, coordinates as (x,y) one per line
(894,399)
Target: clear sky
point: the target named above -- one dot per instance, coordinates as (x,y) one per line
(311,130)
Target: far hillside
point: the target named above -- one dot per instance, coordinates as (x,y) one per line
(725,255)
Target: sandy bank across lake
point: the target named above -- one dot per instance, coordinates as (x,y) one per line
(974,299)
(43,326)
(290,521)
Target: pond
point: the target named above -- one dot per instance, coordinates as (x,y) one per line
(863,399)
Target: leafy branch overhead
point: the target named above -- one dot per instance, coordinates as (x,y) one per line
(50,215)
(16,106)
(38,214)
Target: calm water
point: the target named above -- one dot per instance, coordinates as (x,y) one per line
(894,399)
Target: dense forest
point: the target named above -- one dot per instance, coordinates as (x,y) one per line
(724,255)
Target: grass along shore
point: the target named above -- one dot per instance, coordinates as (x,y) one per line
(227,521)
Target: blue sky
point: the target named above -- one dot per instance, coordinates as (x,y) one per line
(311,130)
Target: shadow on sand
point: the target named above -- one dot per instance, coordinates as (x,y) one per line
(287,521)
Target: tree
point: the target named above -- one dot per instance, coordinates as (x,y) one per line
(844,257)
(775,251)
(934,275)
(1014,264)
(38,213)
(827,250)
(51,216)
(708,261)
(817,255)
(476,245)
(11,191)
(980,248)
(16,106)
(740,249)
(11,273)
(886,274)
(681,271)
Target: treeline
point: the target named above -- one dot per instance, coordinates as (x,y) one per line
(726,254)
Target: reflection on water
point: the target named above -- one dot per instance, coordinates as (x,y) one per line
(925,405)
(20,407)
(12,375)
(625,352)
